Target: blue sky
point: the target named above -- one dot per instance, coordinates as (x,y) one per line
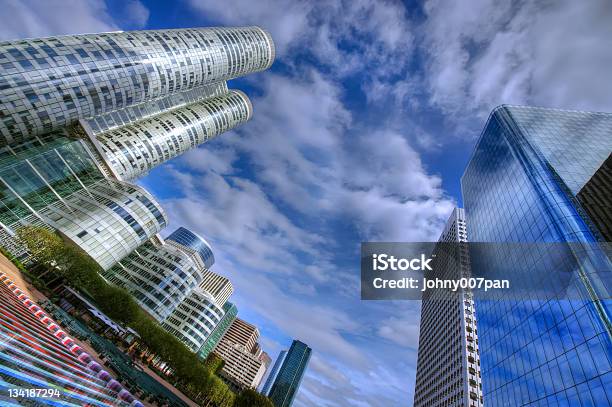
(361,131)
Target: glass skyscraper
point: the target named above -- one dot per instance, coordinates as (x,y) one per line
(49,83)
(523,184)
(272,376)
(290,376)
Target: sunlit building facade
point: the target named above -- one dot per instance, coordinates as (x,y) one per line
(82,116)
(448,367)
(194,319)
(245,364)
(522,184)
(133,149)
(58,184)
(230,312)
(159,274)
(49,83)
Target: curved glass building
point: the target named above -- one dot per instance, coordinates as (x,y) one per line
(108,220)
(58,184)
(134,149)
(196,242)
(48,83)
(194,319)
(159,275)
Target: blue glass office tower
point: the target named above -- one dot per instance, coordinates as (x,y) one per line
(526,182)
(290,376)
(277,364)
(187,238)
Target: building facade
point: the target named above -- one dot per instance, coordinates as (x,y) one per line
(289,377)
(244,362)
(82,115)
(57,183)
(194,319)
(272,375)
(242,368)
(50,83)
(522,185)
(448,366)
(133,149)
(242,333)
(133,100)
(196,242)
(159,274)
(230,312)
(218,286)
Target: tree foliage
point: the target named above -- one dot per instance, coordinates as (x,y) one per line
(214,363)
(250,398)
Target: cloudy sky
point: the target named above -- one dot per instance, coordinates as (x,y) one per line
(362,129)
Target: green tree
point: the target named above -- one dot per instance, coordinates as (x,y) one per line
(250,398)
(214,363)
(45,246)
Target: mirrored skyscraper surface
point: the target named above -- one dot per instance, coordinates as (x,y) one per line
(523,184)
(230,312)
(289,377)
(272,376)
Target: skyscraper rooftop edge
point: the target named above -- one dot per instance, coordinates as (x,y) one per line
(505,106)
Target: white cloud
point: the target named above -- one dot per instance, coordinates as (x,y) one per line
(403,330)
(378,33)
(136,13)
(32,18)
(528,52)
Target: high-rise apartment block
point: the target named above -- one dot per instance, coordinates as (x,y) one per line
(290,375)
(539,176)
(218,286)
(245,363)
(242,333)
(194,319)
(81,116)
(448,366)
